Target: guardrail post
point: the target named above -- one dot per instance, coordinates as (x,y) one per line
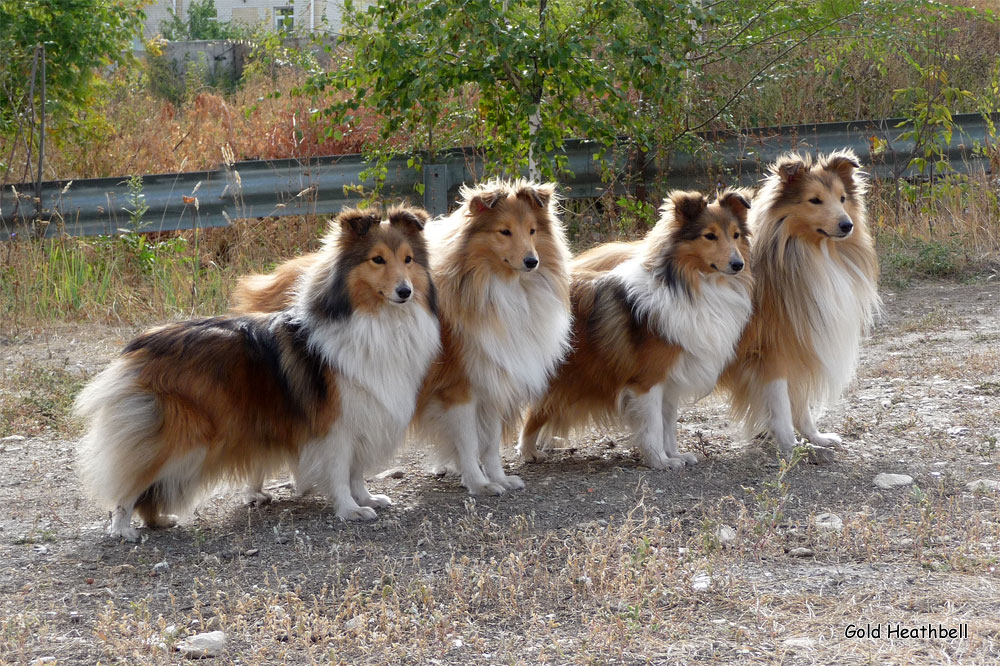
(436,189)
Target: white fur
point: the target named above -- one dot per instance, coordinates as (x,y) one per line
(846,300)
(508,367)
(707,326)
(381,361)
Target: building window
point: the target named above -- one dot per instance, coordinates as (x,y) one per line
(284,18)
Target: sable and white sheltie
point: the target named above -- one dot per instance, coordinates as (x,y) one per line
(815,295)
(327,385)
(655,322)
(500,266)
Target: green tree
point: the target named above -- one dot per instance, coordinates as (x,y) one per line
(202,23)
(80,38)
(520,78)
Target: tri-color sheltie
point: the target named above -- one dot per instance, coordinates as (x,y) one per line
(655,323)
(500,265)
(326,385)
(815,294)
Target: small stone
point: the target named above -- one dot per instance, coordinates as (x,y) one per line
(209,558)
(353,623)
(828,522)
(982,485)
(160,568)
(958,430)
(701,581)
(200,646)
(725,534)
(801,552)
(392,473)
(251,552)
(886,404)
(886,481)
(585,581)
(281,539)
(799,642)
(41,661)
(12,439)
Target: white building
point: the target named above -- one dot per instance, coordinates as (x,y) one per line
(301,16)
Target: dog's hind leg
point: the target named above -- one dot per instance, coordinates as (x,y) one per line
(360,492)
(253,493)
(779,414)
(670,429)
(527,443)
(804,424)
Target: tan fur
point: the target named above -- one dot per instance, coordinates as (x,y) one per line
(233,398)
(791,233)
(612,352)
(273,291)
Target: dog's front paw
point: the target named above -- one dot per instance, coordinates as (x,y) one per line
(256,498)
(828,440)
(376,501)
(686,458)
(531,454)
(512,482)
(659,460)
(357,513)
(127,533)
(490,488)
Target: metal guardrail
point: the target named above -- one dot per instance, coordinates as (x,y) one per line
(325,185)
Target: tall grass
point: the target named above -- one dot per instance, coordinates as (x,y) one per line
(142,277)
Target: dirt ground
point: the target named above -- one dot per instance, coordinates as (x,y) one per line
(599,560)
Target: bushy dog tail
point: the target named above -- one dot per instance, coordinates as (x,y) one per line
(120,447)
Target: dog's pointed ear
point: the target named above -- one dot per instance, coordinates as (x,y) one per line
(485,200)
(789,168)
(409,220)
(537,194)
(688,206)
(358,222)
(843,163)
(736,202)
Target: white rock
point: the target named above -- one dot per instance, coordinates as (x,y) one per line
(353,623)
(958,430)
(801,552)
(701,581)
(886,481)
(161,568)
(725,534)
(828,522)
(798,642)
(11,440)
(982,485)
(200,646)
(886,404)
(42,661)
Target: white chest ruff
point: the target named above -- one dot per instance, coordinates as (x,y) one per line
(843,300)
(510,364)
(381,361)
(707,326)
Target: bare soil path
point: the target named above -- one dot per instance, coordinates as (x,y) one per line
(599,560)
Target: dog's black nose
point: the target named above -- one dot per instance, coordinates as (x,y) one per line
(736,266)
(403,292)
(846,226)
(530,262)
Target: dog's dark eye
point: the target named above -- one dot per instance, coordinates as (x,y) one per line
(815,200)
(378,259)
(711,236)
(407,260)
(532,232)
(736,235)
(505,232)
(842,198)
